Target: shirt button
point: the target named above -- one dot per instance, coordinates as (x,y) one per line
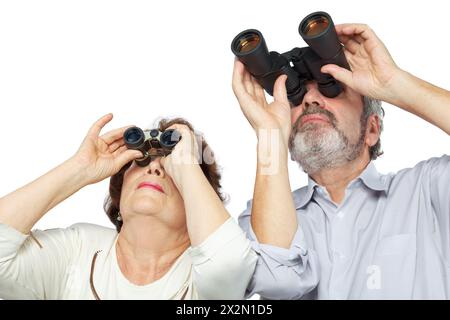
(340,214)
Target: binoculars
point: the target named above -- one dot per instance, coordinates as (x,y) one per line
(299,64)
(152,143)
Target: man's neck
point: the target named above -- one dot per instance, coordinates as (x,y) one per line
(336,180)
(147,248)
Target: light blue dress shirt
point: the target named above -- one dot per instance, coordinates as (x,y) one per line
(388,239)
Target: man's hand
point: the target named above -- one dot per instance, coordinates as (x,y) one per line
(375,74)
(261,114)
(373,69)
(274,219)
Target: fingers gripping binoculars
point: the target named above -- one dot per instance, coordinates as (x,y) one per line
(299,64)
(152,143)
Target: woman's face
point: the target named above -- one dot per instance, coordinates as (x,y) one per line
(149,191)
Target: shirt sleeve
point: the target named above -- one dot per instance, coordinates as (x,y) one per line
(223,263)
(437,181)
(35,266)
(440,187)
(281,273)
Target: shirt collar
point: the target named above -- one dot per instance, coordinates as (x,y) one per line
(303,195)
(373,179)
(370,177)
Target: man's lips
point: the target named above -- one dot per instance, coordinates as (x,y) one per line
(150,185)
(314,117)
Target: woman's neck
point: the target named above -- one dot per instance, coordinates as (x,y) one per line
(147,248)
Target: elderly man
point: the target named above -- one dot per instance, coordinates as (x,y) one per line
(351,233)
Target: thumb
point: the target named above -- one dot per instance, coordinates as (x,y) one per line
(279,89)
(340,74)
(127,156)
(162,161)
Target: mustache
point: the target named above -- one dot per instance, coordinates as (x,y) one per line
(315,109)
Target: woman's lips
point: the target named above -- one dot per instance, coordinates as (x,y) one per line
(314,117)
(150,185)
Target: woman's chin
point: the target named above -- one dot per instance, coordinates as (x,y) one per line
(148,207)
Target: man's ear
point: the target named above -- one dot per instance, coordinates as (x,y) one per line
(373,130)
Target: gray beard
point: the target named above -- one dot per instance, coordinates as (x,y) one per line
(317,147)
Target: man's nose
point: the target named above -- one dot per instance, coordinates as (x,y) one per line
(155,168)
(313,96)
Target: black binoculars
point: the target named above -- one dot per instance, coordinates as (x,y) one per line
(299,64)
(152,143)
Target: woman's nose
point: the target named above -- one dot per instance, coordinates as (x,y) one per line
(155,168)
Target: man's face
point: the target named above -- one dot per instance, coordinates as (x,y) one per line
(326,132)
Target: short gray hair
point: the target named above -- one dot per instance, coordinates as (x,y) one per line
(373,106)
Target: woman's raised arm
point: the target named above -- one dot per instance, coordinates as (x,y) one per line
(97,158)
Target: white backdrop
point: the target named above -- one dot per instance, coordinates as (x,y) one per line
(63,64)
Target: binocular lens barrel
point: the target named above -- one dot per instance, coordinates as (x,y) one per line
(251,49)
(169,138)
(248,42)
(315,25)
(134,137)
(317,29)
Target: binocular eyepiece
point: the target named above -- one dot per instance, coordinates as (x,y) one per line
(299,64)
(152,143)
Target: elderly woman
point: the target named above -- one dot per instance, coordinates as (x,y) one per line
(174,238)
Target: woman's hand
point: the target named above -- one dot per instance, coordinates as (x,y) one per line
(96,159)
(103,156)
(184,156)
(204,210)
(373,69)
(261,114)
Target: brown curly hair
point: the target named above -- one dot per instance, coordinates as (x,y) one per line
(210,170)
